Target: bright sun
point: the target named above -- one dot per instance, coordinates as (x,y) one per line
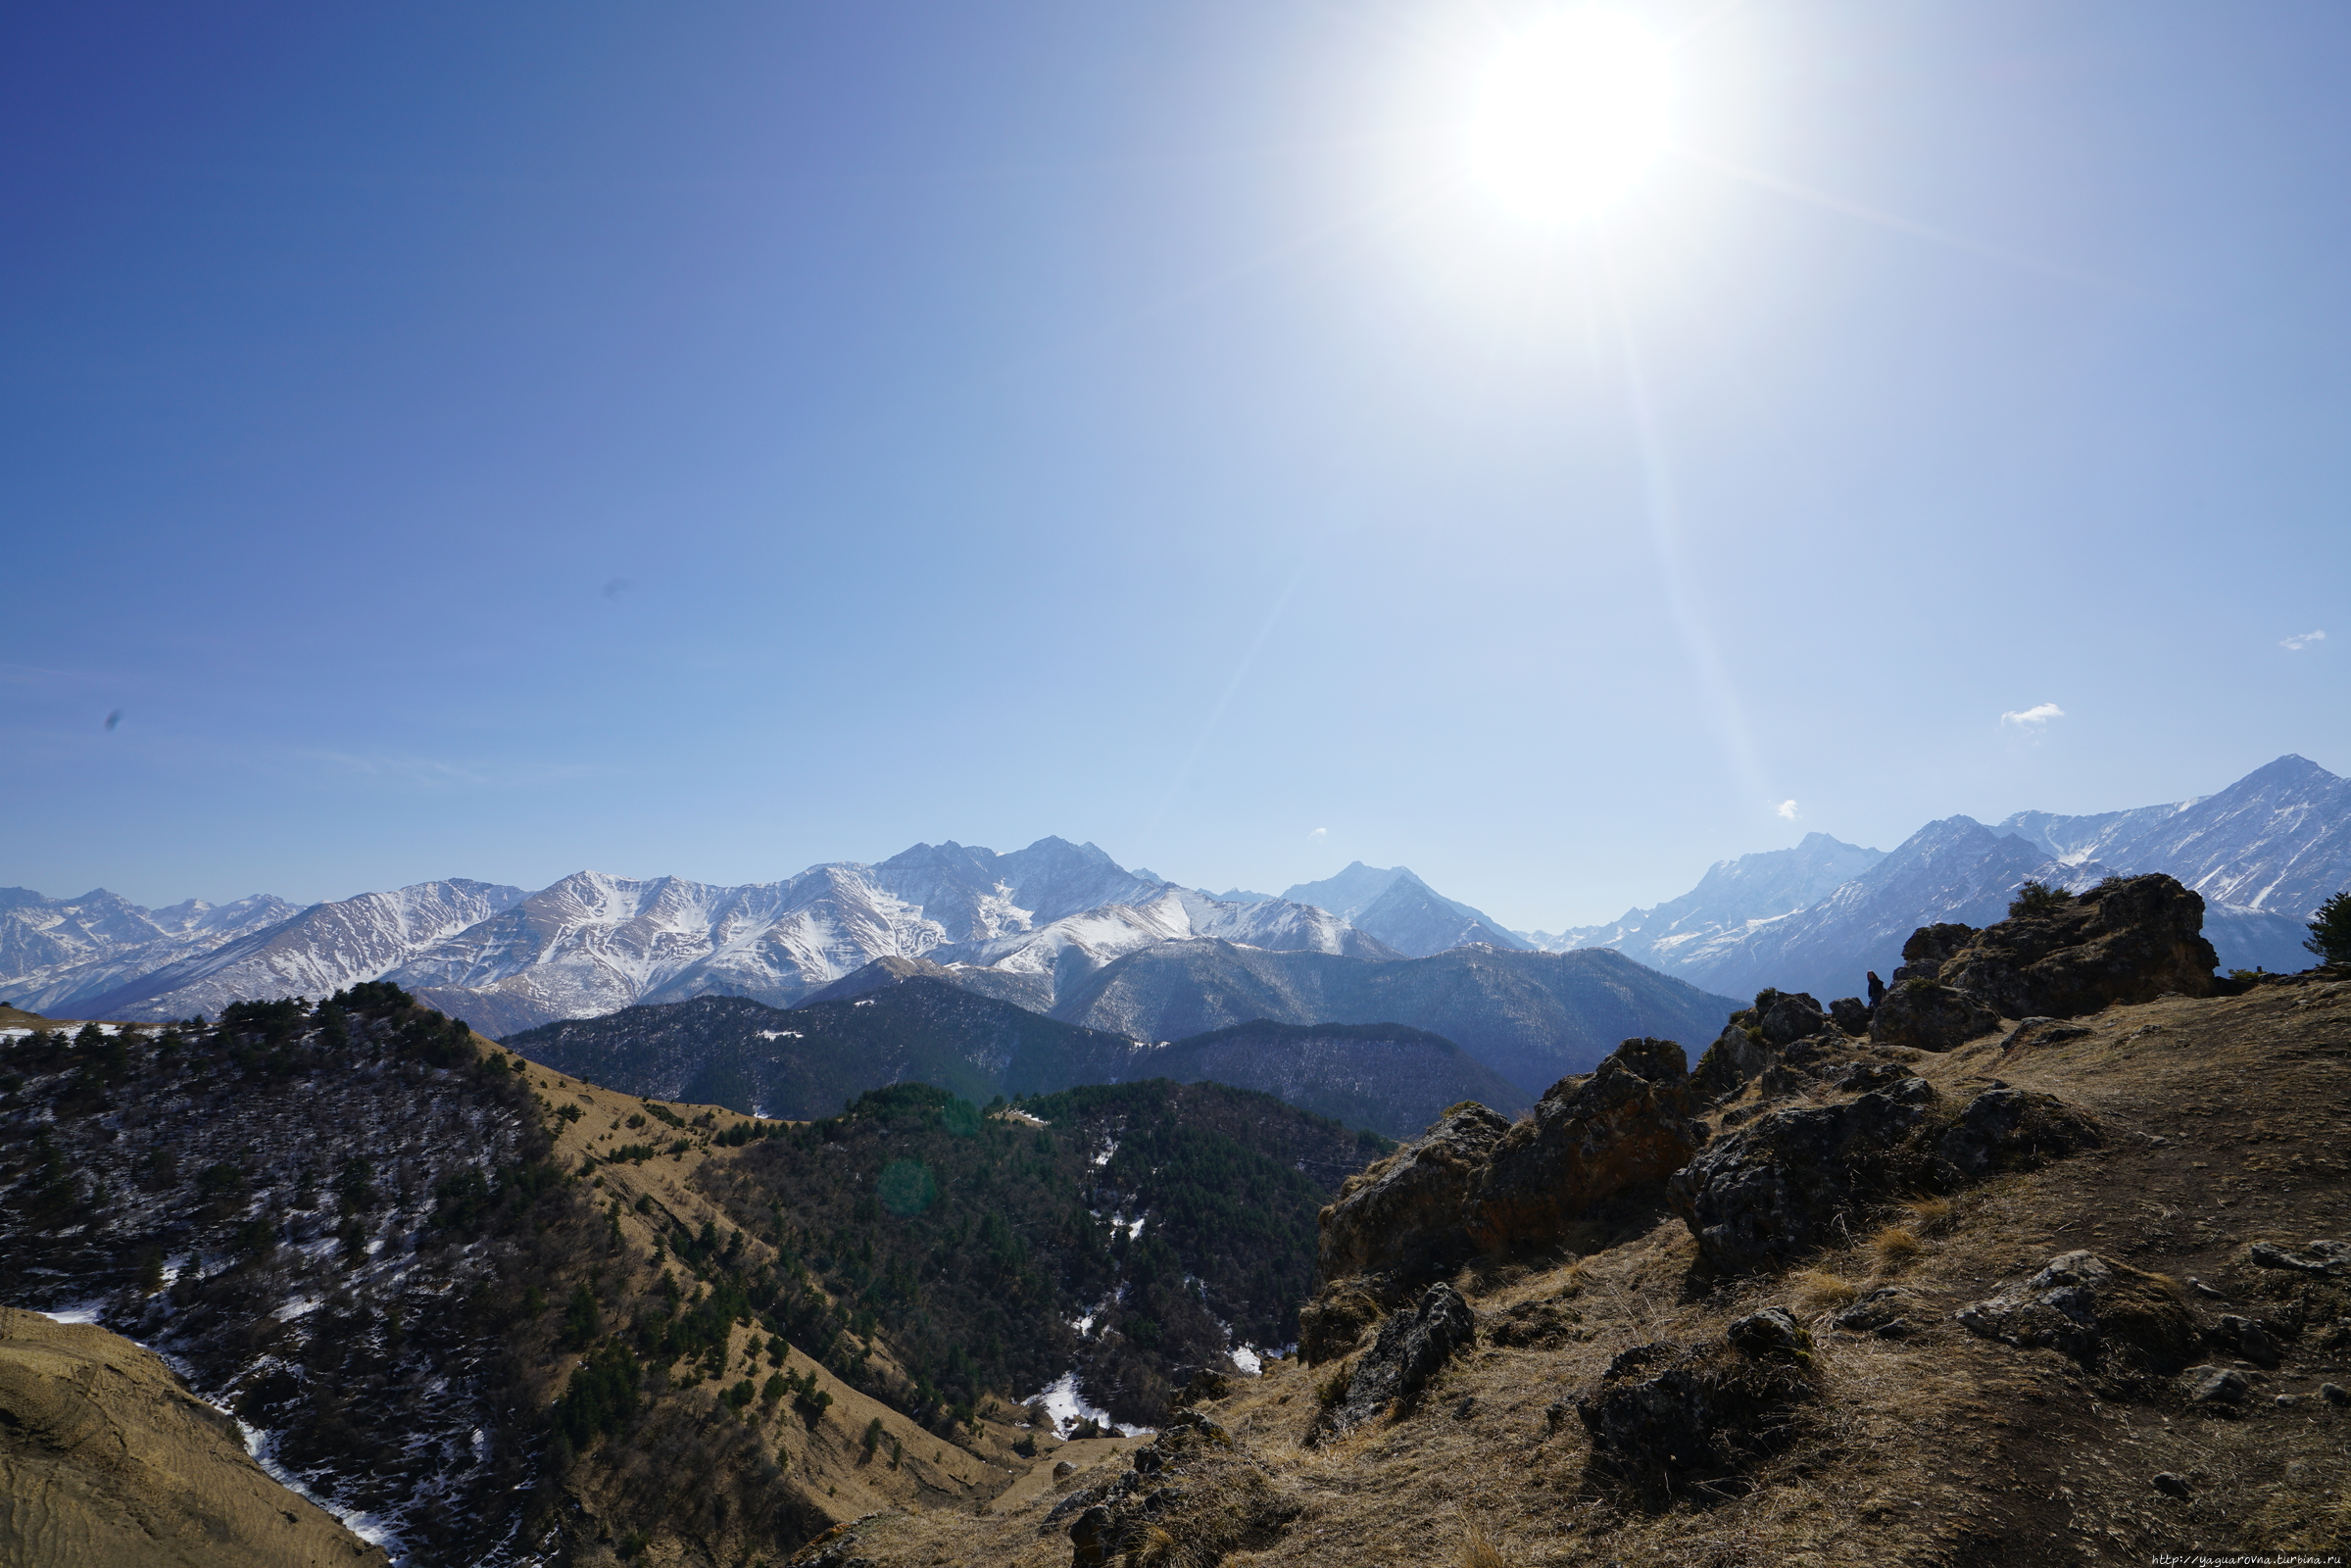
(1571,115)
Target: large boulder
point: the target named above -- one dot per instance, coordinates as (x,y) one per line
(1193,1496)
(1771,1190)
(1413,1346)
(2007,1129)
(1929,948)
(2093,1309)
(1632,1122)
(1734,1060)
(1920,1014)
(1395,1226)
(1402,1214)
(2128,939)
(1791,1015)
(1664,1416)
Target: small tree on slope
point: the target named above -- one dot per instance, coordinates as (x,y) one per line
(2331,930)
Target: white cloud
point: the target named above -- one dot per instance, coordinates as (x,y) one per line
(1320,833)
(2303,639)
(1788,810)
(2033,718)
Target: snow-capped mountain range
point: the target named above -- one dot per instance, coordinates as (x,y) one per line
(505,960)
(2264,852)
(1037,925)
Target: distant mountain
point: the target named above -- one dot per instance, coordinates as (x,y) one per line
(805,1061)
(1401,910)
(505,960)
(1733,896)
(2263,853)
(56,952)
(316,952)
(1532,1017)
(2277,841)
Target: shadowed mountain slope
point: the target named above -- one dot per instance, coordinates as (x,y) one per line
(1532,1017)
(806,1061)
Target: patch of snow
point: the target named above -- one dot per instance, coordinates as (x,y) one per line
(1246,1359)
(1067,1408)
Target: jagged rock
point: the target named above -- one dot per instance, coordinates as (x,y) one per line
(2004,1128)
(1633,1121)
(1928,949)
(1790,1018)
(1192,1496)
(1879,1312)
(1413,1345)
(2216,1385)
(2128,939)
(1666,1413)
(1920,1014)
(1850,1014)
(1735,1059)
(1402,1216)
(2093,1309)
(1859,1077)
(2331,1260)
(1769,1335)
(1770,1191)
(2247,1337)
(1332,1322)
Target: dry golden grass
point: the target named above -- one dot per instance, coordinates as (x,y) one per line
(1897,1248)
(1480,1548)
(1817,1290)
(1933,1217)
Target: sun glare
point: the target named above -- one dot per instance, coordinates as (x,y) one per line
(1571,115)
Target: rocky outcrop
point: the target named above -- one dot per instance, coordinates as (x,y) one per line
(1664,1417)
(1920,1014)
(2327,1258)
(1929,948)
(2128,939)
(1394,1227)
(1193,1496)
(2093,1309)
(1784,1185)
(1413,1347)
(1734,1060)
(1633,1122)
(1772,1190)
(1402,1216)
(2006,1129)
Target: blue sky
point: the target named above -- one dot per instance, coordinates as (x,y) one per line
(492,441)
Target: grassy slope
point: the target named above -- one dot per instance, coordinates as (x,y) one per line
(2225,1124)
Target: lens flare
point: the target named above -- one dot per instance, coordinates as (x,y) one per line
(1571,115)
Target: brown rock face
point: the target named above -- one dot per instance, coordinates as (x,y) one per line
(2128,939)
(1402,1216)
(1631,1122)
